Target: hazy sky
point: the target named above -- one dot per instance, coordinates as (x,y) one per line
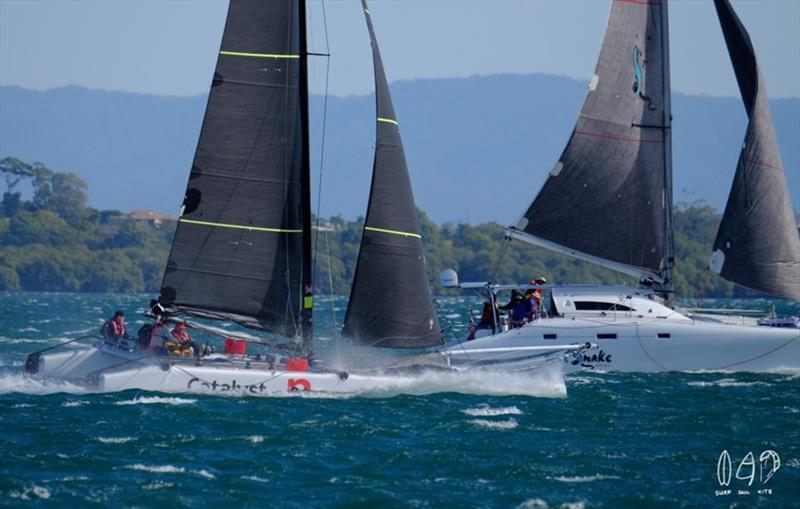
(169,47)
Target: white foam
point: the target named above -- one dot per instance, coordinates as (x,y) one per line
(726,382)
(20,383)
(486,423)
(255,478)
(156,400)
(72,404)
(534,503)
(115,440)
(547,382)
(486,411)
(585,478)
(158,485)
(204,473)
(158,469)
(256,439)
(38,491)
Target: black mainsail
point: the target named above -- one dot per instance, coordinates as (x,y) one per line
(608,199)
(241,250)
(757,244)
(390,302)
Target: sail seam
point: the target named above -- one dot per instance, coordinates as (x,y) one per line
(257,55)
(388,121)
(239,226)
(393,232)
(619,138)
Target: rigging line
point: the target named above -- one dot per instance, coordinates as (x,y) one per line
(322,148)
(500,257)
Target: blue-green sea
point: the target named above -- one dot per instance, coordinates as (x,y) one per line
(547,441)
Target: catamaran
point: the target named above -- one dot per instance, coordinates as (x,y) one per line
(608,201)
(242,252)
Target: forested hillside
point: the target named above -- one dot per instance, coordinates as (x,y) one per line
(54,242)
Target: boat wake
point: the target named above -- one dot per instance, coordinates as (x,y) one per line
(547,382)
(21,383)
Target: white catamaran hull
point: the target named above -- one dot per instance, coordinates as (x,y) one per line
(109,369)
(654,345)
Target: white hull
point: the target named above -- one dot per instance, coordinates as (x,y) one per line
(109,369)
(656,345)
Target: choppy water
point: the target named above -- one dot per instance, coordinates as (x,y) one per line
(591,440)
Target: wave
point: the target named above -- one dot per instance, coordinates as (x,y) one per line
(72,404)
(157,469)
(586,478)
(538,503)
(20,383)
(156,400)
(115,440)
(486,423)
(255,478)
(37,491)
(487,411)
(726,382)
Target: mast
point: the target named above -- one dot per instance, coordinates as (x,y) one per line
(305,189)
(668,287)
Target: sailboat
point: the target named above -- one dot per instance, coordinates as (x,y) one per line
(608,201)
(242,249)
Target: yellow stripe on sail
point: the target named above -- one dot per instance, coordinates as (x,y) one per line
(388,121)
(393,232)
(256,55)
(239,226)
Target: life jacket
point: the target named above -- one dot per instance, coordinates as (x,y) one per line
(117,329)
(181,335)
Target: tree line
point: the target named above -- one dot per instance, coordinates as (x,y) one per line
(52,240)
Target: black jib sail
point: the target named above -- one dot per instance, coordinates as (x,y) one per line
(390,302)
(241,248)
(757,244)
(608,198)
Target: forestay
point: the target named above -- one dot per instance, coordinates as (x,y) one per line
(390,303)
(608,198)
(239,252)
(757,244)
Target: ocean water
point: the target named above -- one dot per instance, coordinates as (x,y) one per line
(545,441)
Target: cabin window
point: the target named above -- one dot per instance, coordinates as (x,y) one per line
(607,336)
(664,335)
(586,305)
(550,336)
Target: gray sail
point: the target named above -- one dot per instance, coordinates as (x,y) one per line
(757,244)
(608,198)
(238,252)
(390,302)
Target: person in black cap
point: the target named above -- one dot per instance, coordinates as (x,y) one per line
(113,330)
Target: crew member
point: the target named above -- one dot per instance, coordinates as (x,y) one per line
(114,331)
(184,344)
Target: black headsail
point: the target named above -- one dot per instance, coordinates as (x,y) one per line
(757,244)
(608,198)
(239,251)
(390,302)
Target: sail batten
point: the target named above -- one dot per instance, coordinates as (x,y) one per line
(757,244)
(604,199)
(390,302)
(238,252)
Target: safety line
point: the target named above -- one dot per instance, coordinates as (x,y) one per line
(388,121)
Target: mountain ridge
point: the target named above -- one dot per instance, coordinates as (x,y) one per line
(478,148)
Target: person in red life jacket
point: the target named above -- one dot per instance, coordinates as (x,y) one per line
(159,336)
(114,331)
(185,345)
